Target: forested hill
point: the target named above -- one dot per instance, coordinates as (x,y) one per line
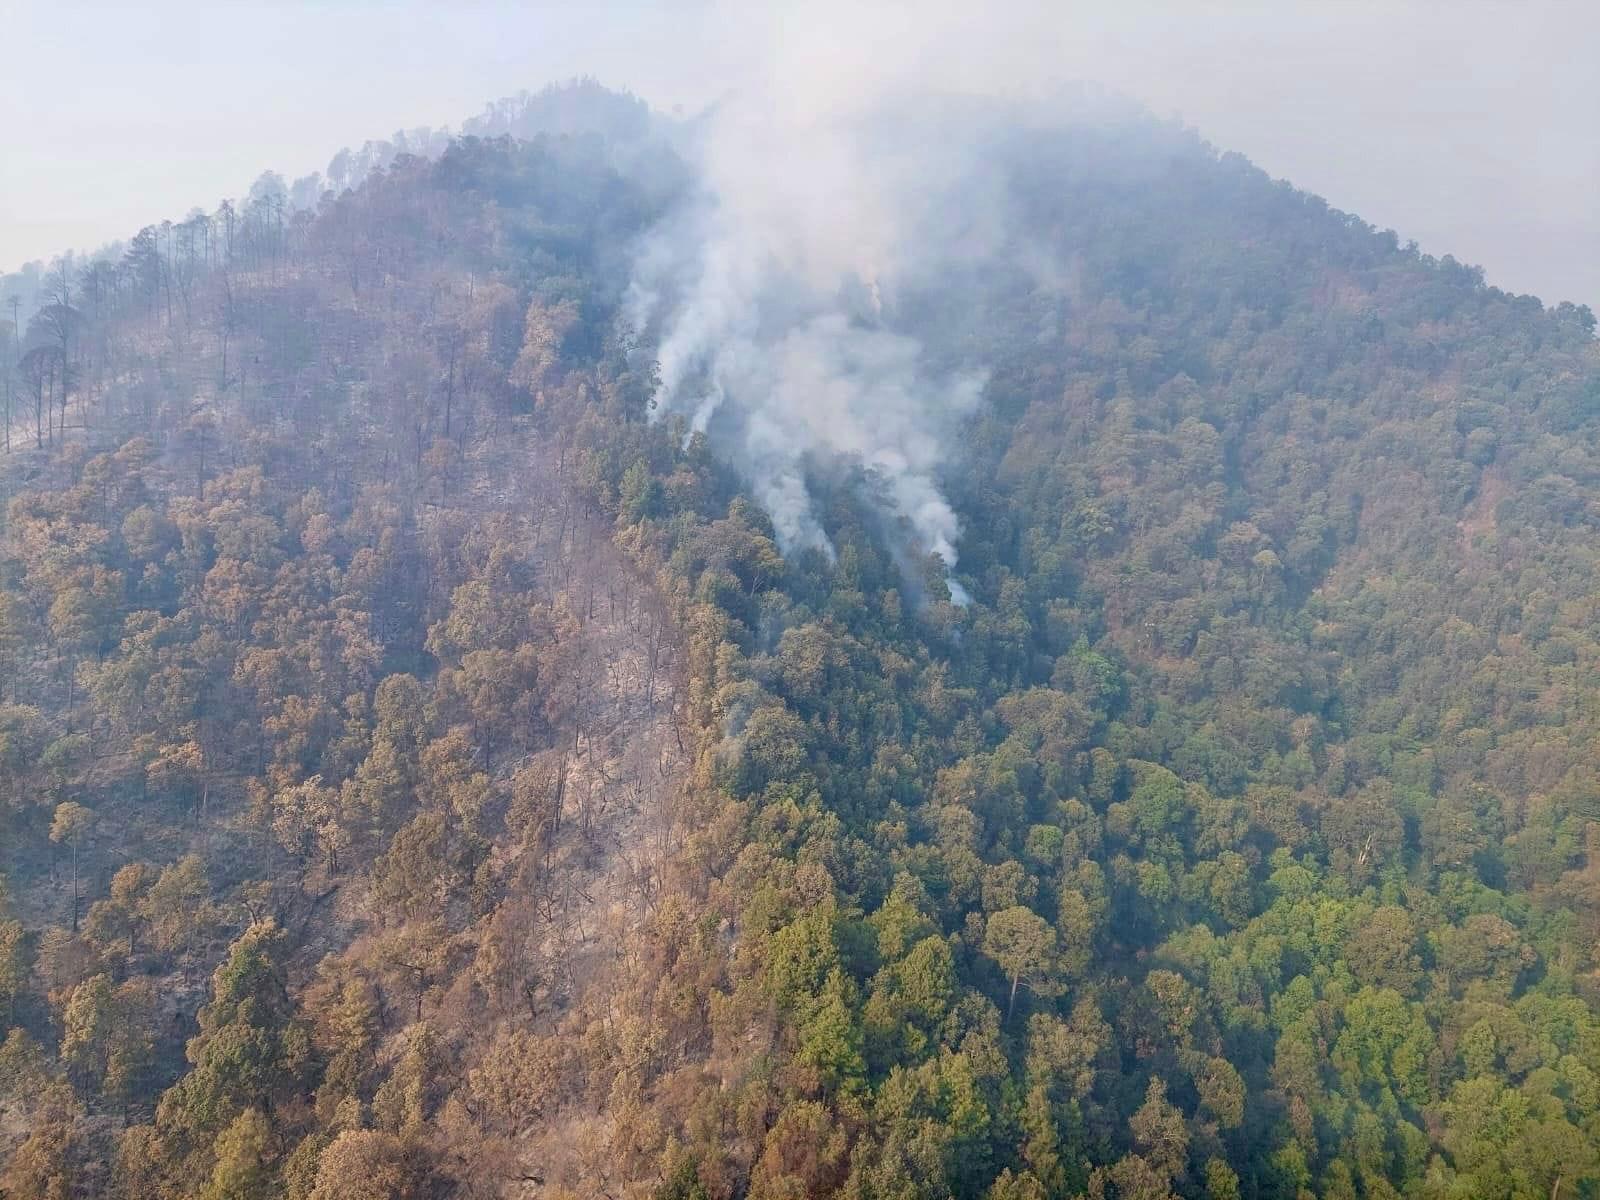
(423,774)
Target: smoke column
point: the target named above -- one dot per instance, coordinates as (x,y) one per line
(772,293)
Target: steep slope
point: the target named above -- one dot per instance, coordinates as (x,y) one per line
(1237,838)
(312,637)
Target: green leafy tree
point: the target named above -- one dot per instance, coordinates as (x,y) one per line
(244,1153)
(251,1049)
(1023,945)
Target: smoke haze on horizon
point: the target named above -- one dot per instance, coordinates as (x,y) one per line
(1466,127)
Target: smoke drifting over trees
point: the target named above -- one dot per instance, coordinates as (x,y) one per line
(478,718)
(786,302)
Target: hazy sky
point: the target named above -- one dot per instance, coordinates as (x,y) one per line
(1472,127)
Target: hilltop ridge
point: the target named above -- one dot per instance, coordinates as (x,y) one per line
(430,765)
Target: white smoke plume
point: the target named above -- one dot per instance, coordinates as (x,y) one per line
(772,296)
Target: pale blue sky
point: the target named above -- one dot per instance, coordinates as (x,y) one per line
(1469,126)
